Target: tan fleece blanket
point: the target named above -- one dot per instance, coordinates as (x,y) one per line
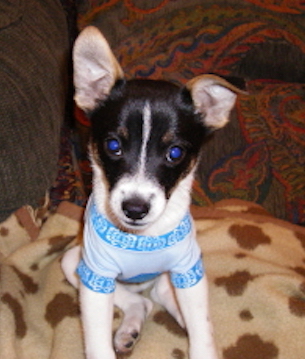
(254,262)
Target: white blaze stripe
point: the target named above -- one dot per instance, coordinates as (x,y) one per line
(145,137)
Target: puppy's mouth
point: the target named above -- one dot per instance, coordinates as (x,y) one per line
(135,224)
(135,207)
(135,212)
(132,226)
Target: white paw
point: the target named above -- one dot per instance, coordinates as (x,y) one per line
(129,332)
(125,340)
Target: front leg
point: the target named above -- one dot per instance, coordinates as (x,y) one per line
(97,317)
(194,306)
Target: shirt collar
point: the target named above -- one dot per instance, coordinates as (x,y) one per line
(128,241)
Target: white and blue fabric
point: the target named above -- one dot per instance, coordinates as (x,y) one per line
(110,254)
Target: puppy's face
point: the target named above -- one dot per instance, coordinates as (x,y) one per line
(146,139)
(146,135)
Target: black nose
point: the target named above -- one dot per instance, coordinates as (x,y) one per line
(135,208)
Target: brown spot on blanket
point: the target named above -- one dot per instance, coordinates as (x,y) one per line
(236,283)
(297,305)
(164,318)
(257,210)
(301,238)
(34,267)
(61,306)
(240,255)
(4,231)
(246,315)
(249,237)
(28,283)
(251,346)
(16,308)
(178,354)
(59,243)
(299,270)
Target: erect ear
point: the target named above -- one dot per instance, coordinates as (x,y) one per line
(213,98)
(95,68)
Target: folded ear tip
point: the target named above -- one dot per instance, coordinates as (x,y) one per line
(213,98)
(236,85)
(238,82)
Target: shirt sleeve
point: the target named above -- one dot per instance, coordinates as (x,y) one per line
(189,270)
(95,282)
(97,270)
(189,278)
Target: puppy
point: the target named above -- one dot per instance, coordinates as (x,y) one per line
(146,141)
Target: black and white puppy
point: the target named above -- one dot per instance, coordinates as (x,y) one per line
(146,140)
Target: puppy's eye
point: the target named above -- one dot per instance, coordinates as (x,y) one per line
(175,154)
(113,147)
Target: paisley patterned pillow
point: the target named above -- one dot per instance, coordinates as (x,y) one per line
(265,164)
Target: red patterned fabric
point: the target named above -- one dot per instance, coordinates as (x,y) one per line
(267,164)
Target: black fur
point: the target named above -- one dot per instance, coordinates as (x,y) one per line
(174,123)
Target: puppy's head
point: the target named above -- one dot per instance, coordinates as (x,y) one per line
(146,135)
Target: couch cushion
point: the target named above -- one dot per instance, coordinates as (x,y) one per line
(11,11)
(33,54)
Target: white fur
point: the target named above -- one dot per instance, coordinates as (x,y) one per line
(145,137)
(96,70)
(142,187)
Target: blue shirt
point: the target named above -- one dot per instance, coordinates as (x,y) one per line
(109,254)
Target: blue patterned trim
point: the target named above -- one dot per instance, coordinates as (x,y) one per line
(119,239)
(93,281)
(190,278)
(106,285)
